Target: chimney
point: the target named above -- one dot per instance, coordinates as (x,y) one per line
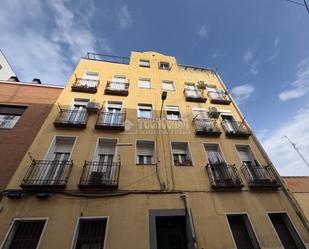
(36,81)
(13,79)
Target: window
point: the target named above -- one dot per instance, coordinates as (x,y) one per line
(144,83)
(242,231)
(118,82)
(9,115)
(164,65)
(24,234)
(144,63)
(168,85)
(113,114)
(192,91)
(246,155)
(172,113)
(214,154)
(144,111)
(145,152)
(91,233)
(286,231)
(181,154)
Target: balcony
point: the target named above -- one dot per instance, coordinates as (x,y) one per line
(85,85)
(234,128)
(223,176)
(219,98)
(117,88)
(45,174)
(111,120)
(71,118)
(207,127)
(260,177)
(100,175)
(194,96)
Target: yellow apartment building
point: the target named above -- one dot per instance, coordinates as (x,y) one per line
(144,153)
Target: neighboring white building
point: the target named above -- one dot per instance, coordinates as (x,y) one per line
(6,70)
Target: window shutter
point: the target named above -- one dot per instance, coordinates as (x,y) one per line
(145,148)
(63,146)
(107,147)
(91,76)
(172,108)
(145,83)
(244,154)
(179,148)
(12,110)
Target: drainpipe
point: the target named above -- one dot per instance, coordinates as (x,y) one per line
(189,214)
(288,194)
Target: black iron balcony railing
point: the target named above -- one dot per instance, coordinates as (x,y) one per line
(206,127)
(100,175)
(85,85)
(223,176)
(234,128)
(111,120)
(47,174)
(219,98)
(194,96)
(117,88)
(71,118)
(259,176)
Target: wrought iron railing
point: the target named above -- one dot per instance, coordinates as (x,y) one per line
(222,175)
(206,126)
(46,173)
(100,174)
(72,118)
(260,176)
(194,95)
(235,128)
(111,120)
(219,97)
(86,85)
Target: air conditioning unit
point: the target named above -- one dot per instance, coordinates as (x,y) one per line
(93,106)
(213,112)
(201,84)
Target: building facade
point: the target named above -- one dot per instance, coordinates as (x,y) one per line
(142,152)
(23,109)
(299,186)
(6,71)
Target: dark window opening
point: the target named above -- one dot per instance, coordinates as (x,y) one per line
(171,232)
(25,234)
(286,232)
(242,231)
(91,233)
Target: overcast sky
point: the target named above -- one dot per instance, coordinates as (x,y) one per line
(260,48)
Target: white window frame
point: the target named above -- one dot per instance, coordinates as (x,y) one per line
(73,243)
(144,79)
(154,160)
(188,151)
(220,149)
(149,106)
(26,219)
(173,106)
(167,82)
(250,148)
(164,62)
(230,229)
(12,122)
(274,229)
(53,144)
(140,63)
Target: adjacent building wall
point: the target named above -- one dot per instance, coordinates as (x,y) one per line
(299,186)
(14,143)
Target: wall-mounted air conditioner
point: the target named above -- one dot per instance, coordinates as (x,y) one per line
(213,112)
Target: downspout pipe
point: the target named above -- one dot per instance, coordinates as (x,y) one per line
(190,217)
(288,194)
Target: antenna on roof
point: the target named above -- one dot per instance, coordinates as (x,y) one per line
(297,151)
